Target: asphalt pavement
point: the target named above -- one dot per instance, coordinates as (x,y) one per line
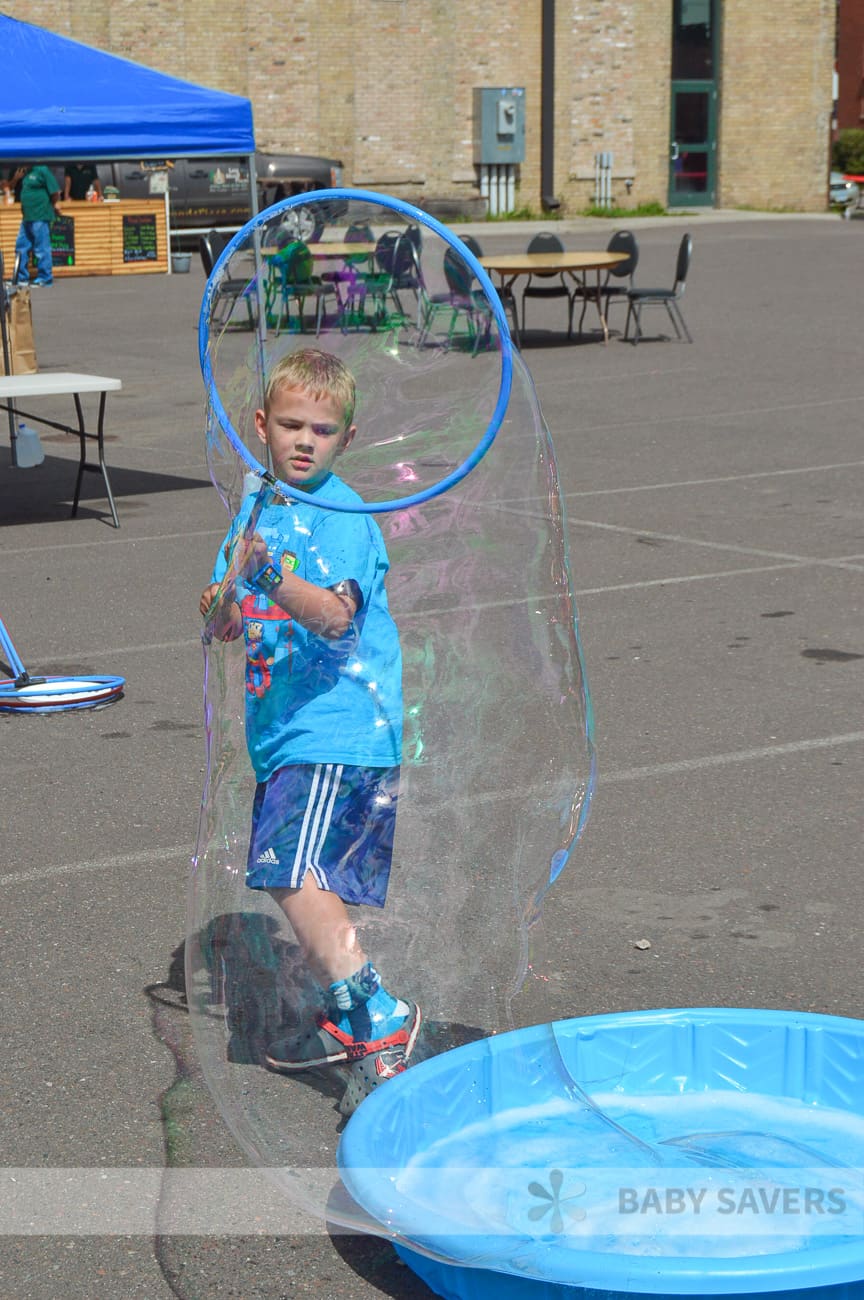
(714,497)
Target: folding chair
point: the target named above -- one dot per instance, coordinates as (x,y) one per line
(407,270)
(228,290)
(505,293)
(460,300)
(394,250)
(622,241)
(668,298)
(550,284)
(349,282)
(290,281)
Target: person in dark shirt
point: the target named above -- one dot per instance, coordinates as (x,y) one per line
(79,177)
(11,182)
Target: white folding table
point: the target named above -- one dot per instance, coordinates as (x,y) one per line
(13,387)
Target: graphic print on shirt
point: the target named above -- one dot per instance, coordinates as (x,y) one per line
(258,610)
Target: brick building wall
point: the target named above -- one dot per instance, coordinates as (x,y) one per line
(386,85)
(775,104)
(651,101)
(598,43)
(612,88)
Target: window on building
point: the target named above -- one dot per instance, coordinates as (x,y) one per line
(693,38)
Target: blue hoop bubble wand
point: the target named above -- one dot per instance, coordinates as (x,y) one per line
(419,217)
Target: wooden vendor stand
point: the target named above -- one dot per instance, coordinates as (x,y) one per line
(126,237)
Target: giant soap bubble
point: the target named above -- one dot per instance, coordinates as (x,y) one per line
(455,463)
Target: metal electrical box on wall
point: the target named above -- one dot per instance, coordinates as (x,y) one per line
(499,124)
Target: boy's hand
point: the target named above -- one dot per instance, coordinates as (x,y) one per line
(227,621)
(255,556)
(208,595)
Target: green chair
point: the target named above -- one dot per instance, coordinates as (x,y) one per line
(380,283)
(463,303)
(290,281)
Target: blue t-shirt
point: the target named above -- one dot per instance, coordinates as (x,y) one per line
(310,699)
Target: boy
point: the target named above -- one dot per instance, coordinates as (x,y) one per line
(323,717)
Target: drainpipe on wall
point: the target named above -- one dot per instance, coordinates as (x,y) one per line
(547,108)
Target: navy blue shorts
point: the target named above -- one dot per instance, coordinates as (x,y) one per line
(337,822)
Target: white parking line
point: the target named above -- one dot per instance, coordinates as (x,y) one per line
(724,478)
(686,577)
(728,759)
(126,540)
(524,502)
(122,861)
(713,546)
(725,416)
(183,852)
(110,652)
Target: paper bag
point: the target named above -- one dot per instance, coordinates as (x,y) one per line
(19,319)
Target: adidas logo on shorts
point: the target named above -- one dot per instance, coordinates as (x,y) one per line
(268,857)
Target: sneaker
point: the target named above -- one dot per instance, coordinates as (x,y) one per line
(327,1044)
(366,1075)
(39,284)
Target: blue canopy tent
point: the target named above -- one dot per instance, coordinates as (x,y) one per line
(60,99)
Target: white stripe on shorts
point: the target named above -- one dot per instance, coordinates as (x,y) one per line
(316,824)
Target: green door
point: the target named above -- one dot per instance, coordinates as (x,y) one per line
(693,145)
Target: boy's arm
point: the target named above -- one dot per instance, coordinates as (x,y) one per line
(327,612)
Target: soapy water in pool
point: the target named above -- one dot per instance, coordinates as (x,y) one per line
(643,1176)
(720,1148)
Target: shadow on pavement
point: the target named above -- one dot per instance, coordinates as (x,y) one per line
(44,493)
(246,947)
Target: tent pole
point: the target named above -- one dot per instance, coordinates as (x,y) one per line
(7,361)
(253,186)
(259,275)
(168,228)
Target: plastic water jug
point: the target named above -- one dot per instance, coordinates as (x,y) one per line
(28,448)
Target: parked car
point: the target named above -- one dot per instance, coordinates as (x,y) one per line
(206,192)
(280,176)
(843,193)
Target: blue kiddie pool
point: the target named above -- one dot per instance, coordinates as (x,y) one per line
(694,1152)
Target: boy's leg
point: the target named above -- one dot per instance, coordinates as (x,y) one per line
(324,930)
(321,834)
(365,1027)
(360,1008)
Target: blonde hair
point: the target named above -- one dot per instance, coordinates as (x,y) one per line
(320,374)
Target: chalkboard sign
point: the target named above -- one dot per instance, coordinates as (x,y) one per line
(63,242)
(139,237)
